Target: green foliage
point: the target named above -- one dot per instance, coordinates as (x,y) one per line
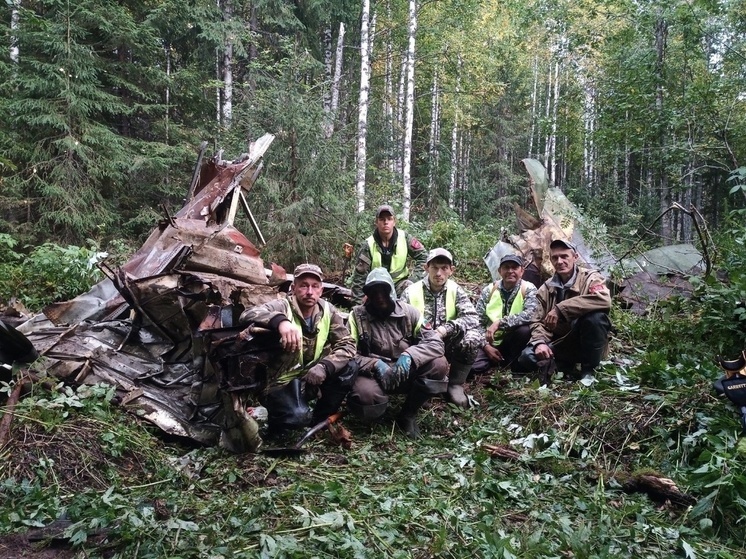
(50,273)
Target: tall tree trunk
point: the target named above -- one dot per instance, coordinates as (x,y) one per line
(15,21)
(400,114)
(661,35)
(388,99)
(534,108)
(455,137)
(432,149)
(552,167)
(337,75)
(407,170)
(362,120)
(327,127)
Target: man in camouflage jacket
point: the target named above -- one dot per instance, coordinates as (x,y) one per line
(447,309)
(505,309)
(388,247)
(317,349)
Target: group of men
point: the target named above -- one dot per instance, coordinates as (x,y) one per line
(417,333)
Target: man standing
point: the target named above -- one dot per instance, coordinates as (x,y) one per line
(317,349)
(447,309)
(388,247)
(396,355)
(571,324)
(505,309)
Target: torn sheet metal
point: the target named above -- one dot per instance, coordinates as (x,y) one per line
(162,328)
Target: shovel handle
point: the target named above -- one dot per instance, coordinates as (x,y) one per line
(318,427)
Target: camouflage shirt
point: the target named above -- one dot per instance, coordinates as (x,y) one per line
(514,320)
(435,309)
(415,250)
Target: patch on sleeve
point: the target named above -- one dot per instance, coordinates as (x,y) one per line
(415,244)
(599,287)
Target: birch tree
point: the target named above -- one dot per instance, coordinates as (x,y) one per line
(407,156)
(362,120)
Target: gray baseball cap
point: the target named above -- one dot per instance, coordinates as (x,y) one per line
(385,209)
(308,270)
(517,259)
(562,243)
(439,253)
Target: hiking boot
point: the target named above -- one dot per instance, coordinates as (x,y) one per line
(408,424)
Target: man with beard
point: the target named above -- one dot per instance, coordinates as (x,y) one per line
(396,355)
(447,309)
(317,352)
(388,247)
(571,324)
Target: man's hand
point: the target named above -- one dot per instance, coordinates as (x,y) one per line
(442,332)
(551,319)
(290,336)
(543,351)
(316,375)
(492,330)
(383,374)
(401,368)
(493,353)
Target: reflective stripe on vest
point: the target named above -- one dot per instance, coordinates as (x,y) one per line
(322,335)
(494,310)
(398,269)
(416,293)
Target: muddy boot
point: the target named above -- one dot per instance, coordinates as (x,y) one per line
(407,418)
(456,378)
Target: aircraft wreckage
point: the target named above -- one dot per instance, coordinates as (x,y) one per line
(163,328)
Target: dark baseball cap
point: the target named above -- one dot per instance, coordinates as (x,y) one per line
(562,243)
(384,209)
(439,253)
(308,270)
(515,258)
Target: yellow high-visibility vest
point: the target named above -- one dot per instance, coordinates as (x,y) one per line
(322,336)
(494,310)
(416,293)
(398,269)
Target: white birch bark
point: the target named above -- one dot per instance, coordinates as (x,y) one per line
(407,156)
(336,80)
(362,121)
(455,138)
(15,22)
(327,126)
(534,107)
(399,124)
(225,102)
(388,98)
(433,146)
(553,137)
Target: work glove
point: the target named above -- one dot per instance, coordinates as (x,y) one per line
(401,368)
(316,374)
(383,374)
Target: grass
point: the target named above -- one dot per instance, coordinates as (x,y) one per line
(126,492)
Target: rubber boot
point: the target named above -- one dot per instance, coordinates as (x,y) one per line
(367,414)
(407,418)
(456,378)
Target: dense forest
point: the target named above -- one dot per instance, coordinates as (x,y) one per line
(431,106)
(635,109)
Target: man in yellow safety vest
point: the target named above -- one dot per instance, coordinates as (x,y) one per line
(388,247)
(505,309)
(447,309)
(317,350)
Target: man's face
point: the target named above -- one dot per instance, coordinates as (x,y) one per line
(379,297)
(307,290)
(511,273)
(438,272)
(563,261)
(385,224)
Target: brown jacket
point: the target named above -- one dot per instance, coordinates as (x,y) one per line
(588,293)
(392,336)
(339,347)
